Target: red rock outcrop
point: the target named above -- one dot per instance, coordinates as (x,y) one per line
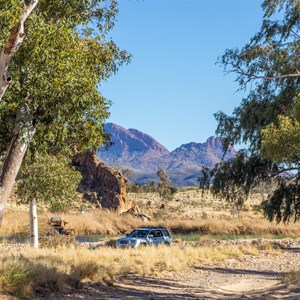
(108,183)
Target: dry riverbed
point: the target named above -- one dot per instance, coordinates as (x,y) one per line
(249,277)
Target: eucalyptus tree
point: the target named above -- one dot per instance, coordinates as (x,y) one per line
(13,18)
(52,102)
(163,183)
(267,120)
(165,190)
(48,179)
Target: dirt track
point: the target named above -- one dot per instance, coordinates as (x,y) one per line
(249,278)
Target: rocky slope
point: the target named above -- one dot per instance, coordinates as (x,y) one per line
(143,155)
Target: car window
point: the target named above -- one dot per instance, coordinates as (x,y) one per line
(156,233)
(159,233)
(139,233)
(166,232)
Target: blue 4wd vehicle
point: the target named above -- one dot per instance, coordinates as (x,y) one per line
(145,236)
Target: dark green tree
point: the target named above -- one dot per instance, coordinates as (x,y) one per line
(129,174)
(48,179)
(266,119)
(165,190)
(50,79)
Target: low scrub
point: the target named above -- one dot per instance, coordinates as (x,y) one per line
(231,227)
(90,222)
(292,276)
(108,223)
(26,272)
(189,213)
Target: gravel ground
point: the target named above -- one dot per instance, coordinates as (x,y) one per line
(247,278)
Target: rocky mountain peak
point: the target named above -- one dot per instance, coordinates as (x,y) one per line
(149,141)
(142,154)
(213,141)
(132,140)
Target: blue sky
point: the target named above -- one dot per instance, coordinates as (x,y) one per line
(172,87)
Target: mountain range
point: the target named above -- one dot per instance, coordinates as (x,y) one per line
(143,156)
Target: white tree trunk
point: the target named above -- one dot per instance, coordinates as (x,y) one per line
(23,133)
(33,222)
(12,44)
(9,171)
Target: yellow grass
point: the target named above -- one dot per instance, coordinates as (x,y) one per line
(232,226)
(15,223)
(24,270)
(292,276)
(190,212)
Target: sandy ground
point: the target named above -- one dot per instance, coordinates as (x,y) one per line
(247,278)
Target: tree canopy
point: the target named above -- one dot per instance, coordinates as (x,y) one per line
(54,55)
(165,190)
(49,179)
(59,66)
(267,120)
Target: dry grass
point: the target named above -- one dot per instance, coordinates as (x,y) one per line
(194,204)
(292,276)
(232,227)
(25,271)
(16,223)
(190,212)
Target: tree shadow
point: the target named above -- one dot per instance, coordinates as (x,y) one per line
(141,288)
(266,274)
(34,279)
(144,287)
(293,249)
(138,287)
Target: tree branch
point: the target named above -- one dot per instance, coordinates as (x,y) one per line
(295,34)
(11,46)
(280,76)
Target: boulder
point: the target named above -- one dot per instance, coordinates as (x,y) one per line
(136,212)
(106,182)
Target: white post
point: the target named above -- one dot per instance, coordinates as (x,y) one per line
(33,221)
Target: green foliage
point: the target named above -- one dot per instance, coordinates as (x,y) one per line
(57,72)
(271,58)
(58,241)
(135,187)
(129,174)
(59,68)
(49,179)
(165,190)
(16,280)
(10,12)
(282,142)
(234,179)
(284,203)
(173,189)
(237,176)
(267,120)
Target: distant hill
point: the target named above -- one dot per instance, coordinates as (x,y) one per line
(143,155)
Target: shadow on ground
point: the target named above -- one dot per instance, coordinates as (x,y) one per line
(135,287)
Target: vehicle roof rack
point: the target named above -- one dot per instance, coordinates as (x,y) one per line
(152,227)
